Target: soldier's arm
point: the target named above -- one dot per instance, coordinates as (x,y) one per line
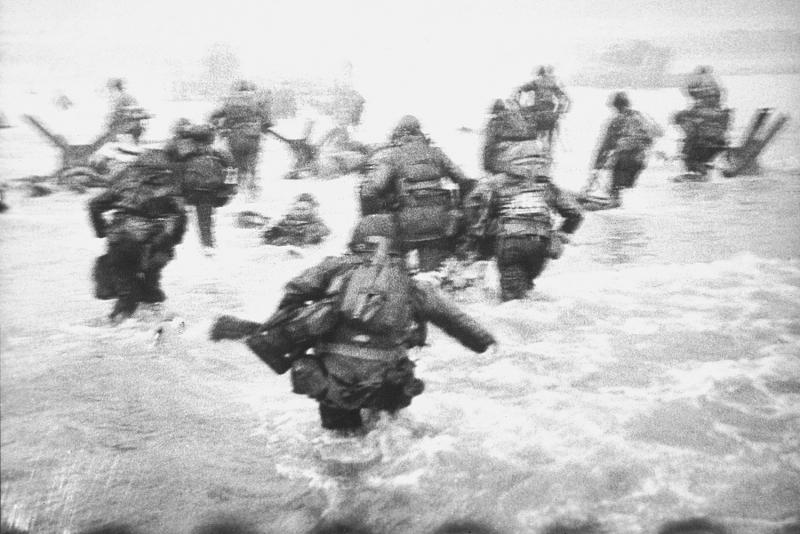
(568,208)
(432,306)
(454,172)
(489,145)
(98,206)
(607,144)
(379,180)
(313,283)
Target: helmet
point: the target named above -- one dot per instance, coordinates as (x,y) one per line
(244,85)
(378,225)
(620,101)
(408,125)
(498,106)
(115,83)
(541,70)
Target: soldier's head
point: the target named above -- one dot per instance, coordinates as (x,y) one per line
(703,69)
(244,85)
(620,101)
(541,70)
(372,230)
(498,106)
(304,207)
(408,126)
(116,84)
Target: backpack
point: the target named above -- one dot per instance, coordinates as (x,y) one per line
(636,133)
(376,295)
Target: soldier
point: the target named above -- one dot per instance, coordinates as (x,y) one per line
(705,123)
(549,102)
(424,188)
(243,117)
(366,313)
(516,206)
(126,116)
(624,147)
(205,172)
(301,226)
(505,126)
(148,221)
(703,87)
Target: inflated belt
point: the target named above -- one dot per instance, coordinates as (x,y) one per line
(363,353)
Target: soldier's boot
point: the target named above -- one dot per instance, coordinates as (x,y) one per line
(151,291)
(514,283)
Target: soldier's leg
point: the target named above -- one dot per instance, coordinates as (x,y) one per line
(151,281)
(339,419)
(514,279)
(205,222)
(537,258)
(124,262)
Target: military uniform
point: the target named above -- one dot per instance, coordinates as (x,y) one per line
(412,182)
(505,126)
(516,207)
(624,149)
(352,368)
(300,227)
(204,171)
(705,123)
(126,116)
(243,118)
(148,221)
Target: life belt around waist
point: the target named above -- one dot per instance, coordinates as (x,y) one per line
(524,227)
(351,350)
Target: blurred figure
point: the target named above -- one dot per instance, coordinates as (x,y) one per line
(243,117)
(705,123)
(148,222)
(360,312)
(624,147)
(516,205)
(126,116)
(424,189)
(505,126)
(549,102)
(696,525)
(704,88)
(301,226)
(205,183)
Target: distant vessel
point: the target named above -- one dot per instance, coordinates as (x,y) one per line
(634,64)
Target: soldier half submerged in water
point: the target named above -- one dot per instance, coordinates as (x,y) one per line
(549,102)
(514,216)
(301,226)
(705,123)
(624,147)
(126,116)
(360,312)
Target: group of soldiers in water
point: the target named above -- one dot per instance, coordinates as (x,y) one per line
(344,327)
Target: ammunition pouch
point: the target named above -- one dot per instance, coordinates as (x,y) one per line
(428,213)
(308,377)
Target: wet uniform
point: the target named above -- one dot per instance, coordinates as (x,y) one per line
(518,210)
(148,221)
(353,368)
(409,181)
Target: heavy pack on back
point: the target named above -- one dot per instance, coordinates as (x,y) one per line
(636,134)
(376,295)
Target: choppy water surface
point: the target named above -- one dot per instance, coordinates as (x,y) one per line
(653,375)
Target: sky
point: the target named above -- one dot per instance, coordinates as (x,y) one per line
(392,41)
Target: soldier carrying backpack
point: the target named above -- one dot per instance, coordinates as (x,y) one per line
(424,189)
(360,312)
(624,147)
